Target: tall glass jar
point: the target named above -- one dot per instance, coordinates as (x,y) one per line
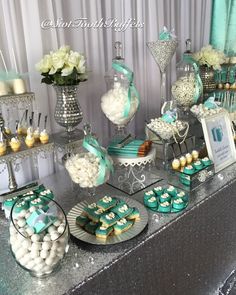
(188,87)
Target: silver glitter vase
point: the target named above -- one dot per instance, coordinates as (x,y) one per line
(207,75)
(68,112)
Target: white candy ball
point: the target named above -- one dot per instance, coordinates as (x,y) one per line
(34,253)
(22,213)
(30,264)
(30,231)
(47,238)
(51,229)
(35,238)
(61,228)
(46,245)
(20,253)
(38,260)
(54,235)
(39,267)
(36,246)
(57,223)
(44,254)
(50,261)
(26,244)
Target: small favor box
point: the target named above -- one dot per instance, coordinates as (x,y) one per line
(190,182)
(39,220)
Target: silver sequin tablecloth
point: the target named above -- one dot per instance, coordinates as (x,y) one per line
(186,253)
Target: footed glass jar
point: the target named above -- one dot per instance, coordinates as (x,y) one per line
(39,234)
(187,89)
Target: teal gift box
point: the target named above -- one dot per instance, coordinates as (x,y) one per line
(39,220)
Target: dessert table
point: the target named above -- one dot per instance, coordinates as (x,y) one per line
(190,252)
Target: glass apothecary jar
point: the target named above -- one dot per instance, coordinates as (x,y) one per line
(39,234)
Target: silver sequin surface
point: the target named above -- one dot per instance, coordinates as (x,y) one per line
(185,253)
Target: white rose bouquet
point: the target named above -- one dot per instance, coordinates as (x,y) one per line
(62,67)
(210,57)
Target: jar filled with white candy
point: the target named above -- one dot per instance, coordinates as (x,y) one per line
(121,102)
(188,87)
(92,167)
(39,234)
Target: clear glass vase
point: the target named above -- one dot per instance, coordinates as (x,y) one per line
(68,112)
(39,234)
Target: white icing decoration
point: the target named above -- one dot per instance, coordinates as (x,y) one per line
(107,199)
(110,216)
(122,221)
(92,206)
(123,208)
(152,199)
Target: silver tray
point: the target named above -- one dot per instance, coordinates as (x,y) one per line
(82,235)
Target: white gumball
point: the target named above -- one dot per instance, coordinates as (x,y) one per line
(34,254)
(30,264)
(44,254)
(47,238)
(30,231)
(36,246)
(57,223)
(26,244)
(46,245)
(51,229)
(35,238)
(55,235)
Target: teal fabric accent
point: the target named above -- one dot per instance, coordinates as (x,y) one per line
(121,68)
(92,146)
(223,26)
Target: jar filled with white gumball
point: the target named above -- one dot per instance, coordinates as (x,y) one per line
(121,102)
(39,234)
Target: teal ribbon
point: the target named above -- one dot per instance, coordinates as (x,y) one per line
(199,86)
(169,116)
(121,68)
(92,146)
(11,75)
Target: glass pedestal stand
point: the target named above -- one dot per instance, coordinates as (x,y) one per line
(134,174)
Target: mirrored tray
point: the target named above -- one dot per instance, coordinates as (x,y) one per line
(82,235)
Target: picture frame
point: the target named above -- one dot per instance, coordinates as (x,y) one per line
(219,140)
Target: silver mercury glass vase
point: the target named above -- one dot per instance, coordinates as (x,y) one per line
(68,112)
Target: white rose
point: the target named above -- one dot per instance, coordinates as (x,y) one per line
(66,71)
(65,48)
(45,64)
(80,67)
(59,58)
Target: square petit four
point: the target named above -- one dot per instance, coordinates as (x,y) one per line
(106,203)
(103,232)
(122,210)
(109,219)
(122,225)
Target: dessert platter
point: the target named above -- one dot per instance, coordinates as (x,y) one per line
(108,221)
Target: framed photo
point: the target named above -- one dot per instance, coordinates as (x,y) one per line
(219,140)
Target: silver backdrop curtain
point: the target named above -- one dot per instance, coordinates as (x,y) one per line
(21,29)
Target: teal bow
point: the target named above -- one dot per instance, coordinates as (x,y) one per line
(92,146)
(121,68)
(210,103)
(169,116)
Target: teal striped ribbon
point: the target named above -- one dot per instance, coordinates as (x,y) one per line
(121,68)
(92,146)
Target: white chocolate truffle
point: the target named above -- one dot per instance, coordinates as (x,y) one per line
(189,158)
